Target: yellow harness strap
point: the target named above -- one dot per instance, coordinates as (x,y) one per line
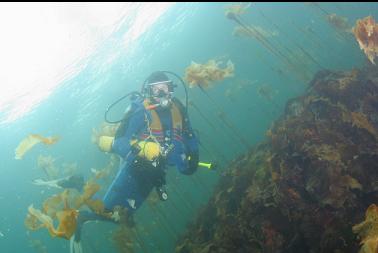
(155,124)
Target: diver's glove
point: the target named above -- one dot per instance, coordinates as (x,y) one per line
(193,159)
(105,143)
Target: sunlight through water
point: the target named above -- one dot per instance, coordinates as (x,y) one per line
(46,43)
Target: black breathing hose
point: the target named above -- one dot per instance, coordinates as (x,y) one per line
(133,93)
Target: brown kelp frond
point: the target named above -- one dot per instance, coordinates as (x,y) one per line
(204,75)
(366,33)
(30,141)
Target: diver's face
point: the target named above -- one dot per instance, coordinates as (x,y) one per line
(161,94)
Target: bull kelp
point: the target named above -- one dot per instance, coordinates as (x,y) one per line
(309,183)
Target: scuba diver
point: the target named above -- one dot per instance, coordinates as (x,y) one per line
(155,132)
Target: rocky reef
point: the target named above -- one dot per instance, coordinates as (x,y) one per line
(308,184)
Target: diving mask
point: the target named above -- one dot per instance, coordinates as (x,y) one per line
(161,89)
(161,93)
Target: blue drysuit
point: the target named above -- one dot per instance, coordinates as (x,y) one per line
(136,178)
(133,183)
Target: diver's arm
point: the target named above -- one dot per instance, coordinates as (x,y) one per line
(185,163)
(192,154)
(121,145)
(191,144)
(189,137)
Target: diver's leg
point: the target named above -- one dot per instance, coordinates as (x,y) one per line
(85,216)
(129,189)
(123,187)
(145,177)
(114,196)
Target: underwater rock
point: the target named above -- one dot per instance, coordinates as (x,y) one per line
(308,184)
(368,230)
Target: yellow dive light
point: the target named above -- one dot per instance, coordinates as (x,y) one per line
(210,166)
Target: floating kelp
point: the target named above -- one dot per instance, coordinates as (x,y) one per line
(67,222)
(53,204)
(204,75)
(30,141)
(64,207)
(366,33)
(56,207)
(303,188)
(90,189)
